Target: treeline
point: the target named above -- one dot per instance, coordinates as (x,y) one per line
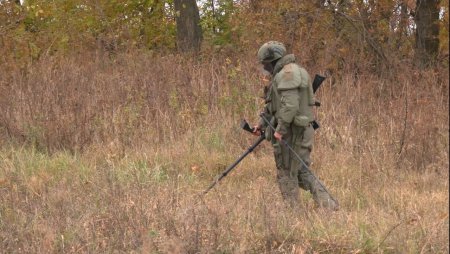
(375,33)
(79,72)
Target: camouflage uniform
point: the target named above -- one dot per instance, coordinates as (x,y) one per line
(289,102)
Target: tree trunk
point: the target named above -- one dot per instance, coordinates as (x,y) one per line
(403,26)
(189,32)
(427,31)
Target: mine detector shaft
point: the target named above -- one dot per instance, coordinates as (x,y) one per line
(244,125)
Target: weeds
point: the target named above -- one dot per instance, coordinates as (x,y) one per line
(102,157)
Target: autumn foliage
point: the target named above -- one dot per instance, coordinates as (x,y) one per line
(108,132)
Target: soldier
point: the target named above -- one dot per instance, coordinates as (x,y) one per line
(289,100)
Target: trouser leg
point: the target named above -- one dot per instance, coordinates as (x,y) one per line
(287,176)
(306,180)
(303,146)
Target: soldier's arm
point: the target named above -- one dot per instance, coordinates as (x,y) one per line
(262,124)
(288,109)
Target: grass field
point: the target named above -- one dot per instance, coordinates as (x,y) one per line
(147,202)
(121,172)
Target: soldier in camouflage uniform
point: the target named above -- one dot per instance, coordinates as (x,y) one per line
(289,102)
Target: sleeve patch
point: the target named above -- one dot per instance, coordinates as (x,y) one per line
(288,68)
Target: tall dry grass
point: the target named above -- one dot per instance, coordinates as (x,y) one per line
(129,99)
(108,155)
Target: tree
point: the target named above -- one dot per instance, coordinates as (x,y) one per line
(216,21)
(189,32)
(427,31)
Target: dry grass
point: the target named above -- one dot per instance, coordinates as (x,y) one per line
(117,151)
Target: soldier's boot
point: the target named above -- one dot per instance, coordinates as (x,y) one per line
(322,198)
(289,190)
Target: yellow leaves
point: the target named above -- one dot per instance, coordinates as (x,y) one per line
(228,61)
(195,169)
(343,50)
(38,12)
(411,4)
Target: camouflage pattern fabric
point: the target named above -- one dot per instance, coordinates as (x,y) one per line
(289,102)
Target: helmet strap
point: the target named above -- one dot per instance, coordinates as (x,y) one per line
(270,66)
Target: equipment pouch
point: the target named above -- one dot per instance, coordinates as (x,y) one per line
(268,133)
(302,121)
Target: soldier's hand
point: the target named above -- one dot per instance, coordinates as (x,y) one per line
(278,136)
(256,130)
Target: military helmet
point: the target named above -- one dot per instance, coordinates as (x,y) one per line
(271,51)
